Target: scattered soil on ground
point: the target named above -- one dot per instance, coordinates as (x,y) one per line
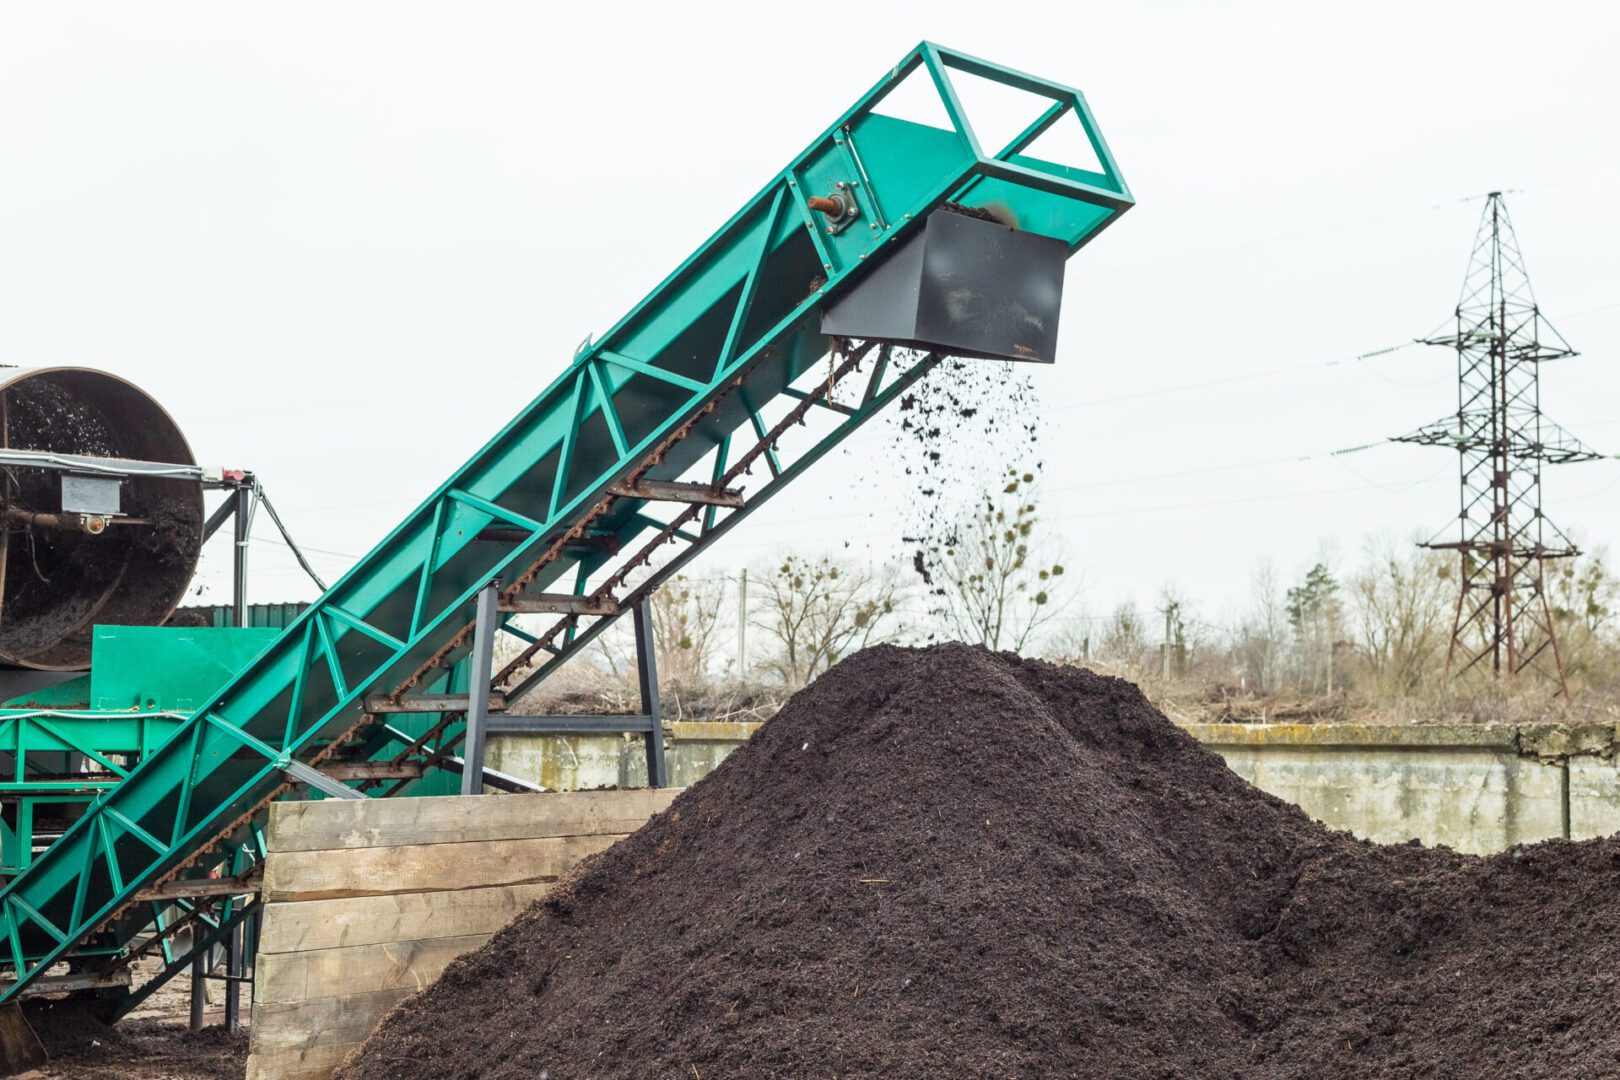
(153,1043)
(950,862)
(151,1050)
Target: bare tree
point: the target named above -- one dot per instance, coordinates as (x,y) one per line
(1583,596)
(1175,646)
(994,581)
(817,611)
(685,617)
(1124,641)
(1401,599)
(1261,639)
(1315,613)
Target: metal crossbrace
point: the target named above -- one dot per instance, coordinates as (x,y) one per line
(738,316)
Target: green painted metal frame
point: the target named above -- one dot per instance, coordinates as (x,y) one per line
(144,682)
(645,401)
(27,735)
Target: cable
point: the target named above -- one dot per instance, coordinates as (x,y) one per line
(269,508)
(281,545)
(1204,384)
(1185,472)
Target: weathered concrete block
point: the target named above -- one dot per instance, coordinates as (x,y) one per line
(580,763)
(1474,800)
(1594,797)
(1467,786)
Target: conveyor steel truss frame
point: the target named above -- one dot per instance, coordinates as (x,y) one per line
(691,531)
(723,336)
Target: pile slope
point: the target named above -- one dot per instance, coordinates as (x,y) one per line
(951,862)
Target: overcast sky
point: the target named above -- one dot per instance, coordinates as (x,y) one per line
(343,242)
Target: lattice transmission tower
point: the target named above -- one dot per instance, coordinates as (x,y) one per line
(1504,618)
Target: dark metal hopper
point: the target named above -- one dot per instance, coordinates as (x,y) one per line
(962,285)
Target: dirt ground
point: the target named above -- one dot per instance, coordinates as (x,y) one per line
(153,1043)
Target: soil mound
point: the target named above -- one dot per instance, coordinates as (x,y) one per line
(948,862)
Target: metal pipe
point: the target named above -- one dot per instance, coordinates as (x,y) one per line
(647,678)
(483,659)
(199,986)
(832,205)
(242,497)
(233,982)
(94,524)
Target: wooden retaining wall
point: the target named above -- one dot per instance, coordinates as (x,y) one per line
(368,901)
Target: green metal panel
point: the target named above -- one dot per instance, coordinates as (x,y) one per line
(144,683)
(675,379)
(146,668)
(97,735)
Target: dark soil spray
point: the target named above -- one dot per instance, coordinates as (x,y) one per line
(956,434)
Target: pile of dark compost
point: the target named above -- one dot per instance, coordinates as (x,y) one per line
(948,862)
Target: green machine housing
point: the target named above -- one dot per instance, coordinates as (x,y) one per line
(653,442)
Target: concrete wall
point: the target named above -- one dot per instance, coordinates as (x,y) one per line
(1474,787)
(580,763)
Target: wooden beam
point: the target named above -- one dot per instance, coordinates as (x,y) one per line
(559,604)
(306,1040)
(427,703)
(20,1048)
(672,491)
(373,770)
(326,875)
(449,819)
(356,969)
(191,888)
(81,980)
(377,920)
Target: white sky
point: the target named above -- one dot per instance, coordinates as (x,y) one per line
(343,243)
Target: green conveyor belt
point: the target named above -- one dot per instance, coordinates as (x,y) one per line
(690,376)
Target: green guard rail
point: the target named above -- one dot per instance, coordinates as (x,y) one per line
(554,492)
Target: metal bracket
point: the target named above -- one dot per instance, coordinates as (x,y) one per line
(300,773)
(845,196)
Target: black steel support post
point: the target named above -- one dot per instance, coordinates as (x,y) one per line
(199,987)
(480,724)
(233,973)
(647,672)
(242,498)
(483,657)
(217,519)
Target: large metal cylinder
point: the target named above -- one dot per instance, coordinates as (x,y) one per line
(59,574)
